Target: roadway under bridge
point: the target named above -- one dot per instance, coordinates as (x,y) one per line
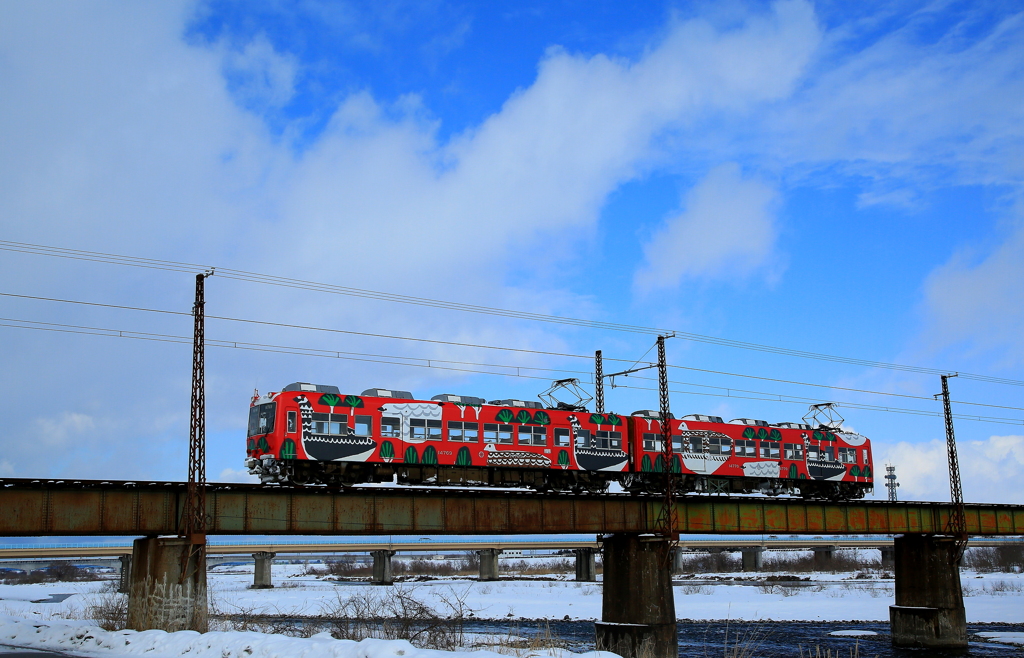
(90,507)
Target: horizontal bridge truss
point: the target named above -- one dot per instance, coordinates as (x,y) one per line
(83,507)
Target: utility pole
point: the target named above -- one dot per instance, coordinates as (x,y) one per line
(599,381)
(957,525)
(193,518)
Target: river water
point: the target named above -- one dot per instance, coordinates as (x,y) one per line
(766,639)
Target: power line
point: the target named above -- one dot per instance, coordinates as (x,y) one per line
(454,366)
(241,275)
(513,349)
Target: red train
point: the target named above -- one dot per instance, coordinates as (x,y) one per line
(312,434)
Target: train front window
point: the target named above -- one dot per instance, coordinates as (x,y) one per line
(261,418)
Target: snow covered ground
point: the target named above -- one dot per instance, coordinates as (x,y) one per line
(58,617)
(989,597)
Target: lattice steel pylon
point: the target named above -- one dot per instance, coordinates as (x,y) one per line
(599,381)
(890,482)
(957,525)
(667,523)
(193,518)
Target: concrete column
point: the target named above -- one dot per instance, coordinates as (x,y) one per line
(823,557)
(261,578)
(638,615)
(382,568)
(929,610)
(489,563)
(124,583)
(752,558)
(888,556)
(168,585)
(677,560)
(586,565)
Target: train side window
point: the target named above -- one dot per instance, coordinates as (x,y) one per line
(652,442)
(532,435)
(848,455)
(812,452)
(769,450)
(562,435)
(793,450)
(866,457)
(332,424)
(830,453)
(720,446)
(425,429)
(609,440)
(463,432)
(292,420)
(583,438)
(497,433)
(745,448)
(364,425)
(391,427)
(696,444)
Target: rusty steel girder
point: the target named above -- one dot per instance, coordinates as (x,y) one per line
(83,507)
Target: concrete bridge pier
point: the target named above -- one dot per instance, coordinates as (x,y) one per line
(489,563)
(124,582)
(677,560)
(382,568)
(929,610)
(168,585)
(261,578)
(638,614)
(752,558)
(888,556)
(586,565)
(823,557)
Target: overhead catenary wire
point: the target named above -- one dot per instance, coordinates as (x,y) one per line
(253,277)
(508,349)
(455,366)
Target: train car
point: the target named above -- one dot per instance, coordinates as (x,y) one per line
(313,434)
(746,455)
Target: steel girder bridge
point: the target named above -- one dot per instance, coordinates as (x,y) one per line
(103,508)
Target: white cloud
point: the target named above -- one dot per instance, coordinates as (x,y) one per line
(990,470)
(928,110)
(57,431)
(980,303)
(120,137)
(237,475)
(260,76)
(727,229)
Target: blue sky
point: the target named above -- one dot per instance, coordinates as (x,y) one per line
(812,176)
